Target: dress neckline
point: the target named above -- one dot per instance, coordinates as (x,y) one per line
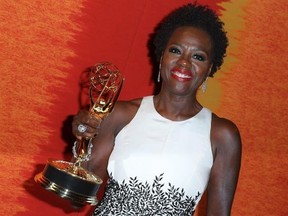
(151,100)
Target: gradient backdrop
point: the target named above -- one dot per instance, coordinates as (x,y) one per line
(46,45)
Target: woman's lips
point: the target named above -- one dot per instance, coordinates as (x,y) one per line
(181,75)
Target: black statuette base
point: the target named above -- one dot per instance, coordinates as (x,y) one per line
(80,187)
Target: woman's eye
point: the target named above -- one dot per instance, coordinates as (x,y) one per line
(199,57)
(174,50)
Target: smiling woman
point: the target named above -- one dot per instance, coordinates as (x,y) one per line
(187,57)
(185,148)
(45,46)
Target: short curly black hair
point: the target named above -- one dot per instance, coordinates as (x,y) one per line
(195,15)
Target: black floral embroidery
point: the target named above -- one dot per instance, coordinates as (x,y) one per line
(137,198)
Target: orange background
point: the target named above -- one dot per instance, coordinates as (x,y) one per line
(46,45)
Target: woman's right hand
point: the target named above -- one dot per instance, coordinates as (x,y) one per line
(85,119)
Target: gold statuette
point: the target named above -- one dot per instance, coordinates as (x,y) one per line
(68,179)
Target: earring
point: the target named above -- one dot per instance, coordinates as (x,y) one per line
(159,72)
(204,86)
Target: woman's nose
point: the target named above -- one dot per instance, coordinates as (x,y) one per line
(184,61)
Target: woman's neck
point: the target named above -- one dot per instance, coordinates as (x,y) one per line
(175,107)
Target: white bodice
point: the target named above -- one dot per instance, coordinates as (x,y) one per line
(154,150)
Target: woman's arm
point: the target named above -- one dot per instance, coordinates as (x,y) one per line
(103,133)
(226,145)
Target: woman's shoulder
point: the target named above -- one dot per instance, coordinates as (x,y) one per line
(128,107)
(224,134)
(134,103)
(122,113)
(221,125)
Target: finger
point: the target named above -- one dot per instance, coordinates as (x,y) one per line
(88,135)
(84,117)
(89,132)
(93,122)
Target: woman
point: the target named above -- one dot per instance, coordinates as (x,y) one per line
(161,152)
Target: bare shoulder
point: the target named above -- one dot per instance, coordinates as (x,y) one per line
(122,114)
(224,134)
(127,109)
(130,106)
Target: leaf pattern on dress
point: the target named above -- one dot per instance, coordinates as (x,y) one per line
(136,198)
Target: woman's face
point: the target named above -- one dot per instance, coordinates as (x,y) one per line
(186,60)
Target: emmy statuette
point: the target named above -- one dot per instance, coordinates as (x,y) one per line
(68,179)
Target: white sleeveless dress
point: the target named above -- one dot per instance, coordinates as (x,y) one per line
(158,166)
